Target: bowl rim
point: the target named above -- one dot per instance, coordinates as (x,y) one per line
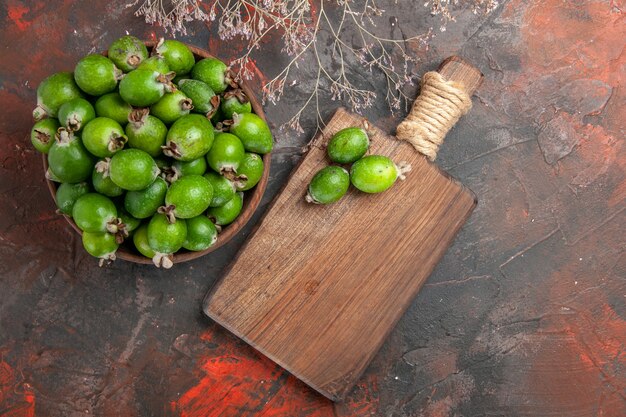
(250,203)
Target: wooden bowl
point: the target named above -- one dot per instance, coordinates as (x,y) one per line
(251,199)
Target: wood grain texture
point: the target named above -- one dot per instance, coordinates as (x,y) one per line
(318,288)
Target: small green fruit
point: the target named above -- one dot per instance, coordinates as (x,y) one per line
(68,159)
(203,97)
(187,197)
(127,52)
(348,145)
(144,203)
(140,239)
(101,180)
(133,169)
(201,234)
(95,213)
(143,88)
(226,153)
(112,106)
(146,132)
(235,101)
(249,172)
(67,194)
(42,134)
(189,138)
(100,245)
(165,238)
(195,167)
(171,107)
(178,57)
(253,132)
(76,113)
(213,72)
(53,92)
(376,173)
(328,185)
(155,63)
(103,137)
(223,189)
(227,213)
(96,75)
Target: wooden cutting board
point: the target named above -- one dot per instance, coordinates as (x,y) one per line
(317,288)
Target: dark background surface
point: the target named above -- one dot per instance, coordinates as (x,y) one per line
(525,315)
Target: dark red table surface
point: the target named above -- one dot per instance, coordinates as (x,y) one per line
(524,316)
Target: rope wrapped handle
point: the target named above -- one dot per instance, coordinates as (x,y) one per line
(444,98)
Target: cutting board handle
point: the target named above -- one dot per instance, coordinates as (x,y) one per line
(445,96)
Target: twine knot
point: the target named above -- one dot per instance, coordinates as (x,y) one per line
(439,106)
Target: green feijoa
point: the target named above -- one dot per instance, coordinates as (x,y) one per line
(112,106)
(94,212)
(201,233)
(101,180)
(127,52)
(235,101)
(226,153)
(195,167)
(68,159)
(140,239)
(165,238)
(133,169)
(42,134)
(253,132)
(204,99)
(101,245)
(67,194)
(376,173)
(53,92)
(213,72)
(171,107)
(178,57)
(143,88)
(348,145)
(74,114)
(227,213)
(103,137)
(155,63)
(146,132)
(188,197)
(189,138)
(96,75)
(130,223)
(249,172)
(328,185)
(223,189)
(144,203)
